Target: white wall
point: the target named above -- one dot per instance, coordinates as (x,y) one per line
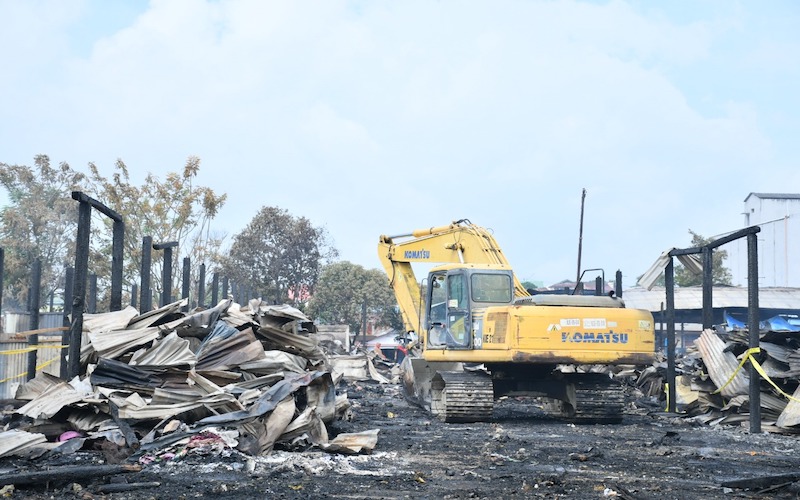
(778,242)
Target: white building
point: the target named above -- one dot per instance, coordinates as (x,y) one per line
(778,215)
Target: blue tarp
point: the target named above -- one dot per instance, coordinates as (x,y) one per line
(774,324)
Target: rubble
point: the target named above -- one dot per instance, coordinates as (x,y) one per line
(712,381)
(158,385)
(289,424)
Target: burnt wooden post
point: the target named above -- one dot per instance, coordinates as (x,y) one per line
(82,269)
(201,287)
(186,281)
(669,285)
(115,303)
(166,270)
(708,311)
(146,295)
(215,289)
(79,287)
(752,293)
(134,292)
(34,293)
(753,329)
(68,293)
(224,287)
(91,305)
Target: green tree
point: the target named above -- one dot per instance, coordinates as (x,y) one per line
(344,288)
(279,255)
(174,209)
(39,222)
(720,275)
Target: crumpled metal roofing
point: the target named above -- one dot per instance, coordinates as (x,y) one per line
(721,365)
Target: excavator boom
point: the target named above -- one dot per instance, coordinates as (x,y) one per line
(458,243)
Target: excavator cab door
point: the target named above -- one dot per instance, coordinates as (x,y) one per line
(448,311)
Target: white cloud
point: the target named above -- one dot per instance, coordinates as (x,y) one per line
(375,118)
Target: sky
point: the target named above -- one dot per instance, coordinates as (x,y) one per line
(378,117)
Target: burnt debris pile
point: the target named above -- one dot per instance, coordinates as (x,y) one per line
(154,385)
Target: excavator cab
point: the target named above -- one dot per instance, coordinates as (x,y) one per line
(457,297)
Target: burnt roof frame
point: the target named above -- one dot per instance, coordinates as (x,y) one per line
(752,315)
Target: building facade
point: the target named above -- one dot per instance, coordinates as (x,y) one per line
(778,215)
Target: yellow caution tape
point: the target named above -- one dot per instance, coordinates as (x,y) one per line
(748,355)
(31,349)
(38,368)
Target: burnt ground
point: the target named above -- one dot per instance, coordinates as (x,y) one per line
(522,453)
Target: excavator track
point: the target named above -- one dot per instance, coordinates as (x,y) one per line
(598,400)
(462,396)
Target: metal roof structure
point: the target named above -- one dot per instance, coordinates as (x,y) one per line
(775,196)
(689,301)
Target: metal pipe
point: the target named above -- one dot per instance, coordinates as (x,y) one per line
(580,240)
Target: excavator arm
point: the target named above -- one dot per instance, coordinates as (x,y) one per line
(459,242)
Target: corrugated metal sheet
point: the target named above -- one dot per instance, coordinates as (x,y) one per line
(721,365)
(721,297)
(20,322)
(14,363)
(791,414)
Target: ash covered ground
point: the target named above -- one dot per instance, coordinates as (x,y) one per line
(522,453)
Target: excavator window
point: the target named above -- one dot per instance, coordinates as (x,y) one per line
(492,287)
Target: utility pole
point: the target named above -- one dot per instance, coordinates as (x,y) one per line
(580,241)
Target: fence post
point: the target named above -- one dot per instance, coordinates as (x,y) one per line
(187,264)
(34,292)
(79,295)
(201,287)
(115,303)
(68,283)
(215,289)
(146,297)
(91,306)
(166,270)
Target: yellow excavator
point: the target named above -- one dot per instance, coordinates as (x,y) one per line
(483,336)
